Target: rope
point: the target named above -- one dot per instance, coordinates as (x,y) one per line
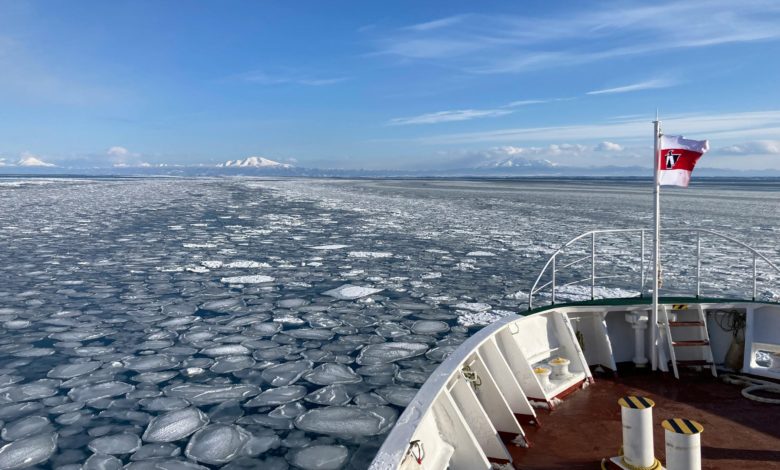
(754,385)
(654,466)
(748,393)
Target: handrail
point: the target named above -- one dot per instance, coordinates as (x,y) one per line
(592,234)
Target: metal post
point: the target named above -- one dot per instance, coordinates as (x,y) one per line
(656,247)
(642,267)
(698,263)
(553,280)
(592,265)
(755,276)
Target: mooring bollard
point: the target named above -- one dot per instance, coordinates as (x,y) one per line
(683,444)
(637,451)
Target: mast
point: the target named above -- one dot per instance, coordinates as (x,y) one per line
(656,245)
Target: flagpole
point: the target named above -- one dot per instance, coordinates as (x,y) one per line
(656,245)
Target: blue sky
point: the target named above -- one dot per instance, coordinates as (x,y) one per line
(386,84)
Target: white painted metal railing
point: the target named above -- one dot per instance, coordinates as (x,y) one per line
(555,270)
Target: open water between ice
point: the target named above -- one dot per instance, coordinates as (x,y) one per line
(260,323)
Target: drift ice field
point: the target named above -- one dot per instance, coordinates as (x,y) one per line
(259,323)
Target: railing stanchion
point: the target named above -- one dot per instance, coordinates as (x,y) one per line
(553,280)
(698,263)
(755,276)
(642,266)
(592,265)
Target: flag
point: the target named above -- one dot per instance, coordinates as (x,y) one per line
(677,158)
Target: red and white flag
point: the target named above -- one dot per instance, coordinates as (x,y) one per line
(677,158)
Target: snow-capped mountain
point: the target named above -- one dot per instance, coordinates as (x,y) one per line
(31,160)
(254,162)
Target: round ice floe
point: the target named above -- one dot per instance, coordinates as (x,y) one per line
(226,412)
(350,292)
(164,464)
(389,352)
(222,305)
(288,410)
(28,451)
(347,421)
(17,410)
(330,395)
(157,450)
(25,427)
(16,324)
(154,377)
(320,457)
(428,327)
(311,333)
(68,371)
(217,444)
(369,254)
(286,373)
(256,279)
(202,394)
(115,444)
(29,391)
(473,306)
(278,396)
(397,394)
(163,403)
(292,303)
(102,462)
(175,425)
(102,390)
(261,441)
(227,364)
(266,329)
(479,253)
(331,373)
(226,350)
(155,362)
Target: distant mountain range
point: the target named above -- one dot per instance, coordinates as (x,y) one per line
(513,167)
(253,162)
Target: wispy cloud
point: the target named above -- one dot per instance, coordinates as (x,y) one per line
(728,126)
(468,114)
(513,43)
(448,116)
(645,85)
(758,147)
(260,77)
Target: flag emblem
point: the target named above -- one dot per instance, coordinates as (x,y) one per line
(676,159)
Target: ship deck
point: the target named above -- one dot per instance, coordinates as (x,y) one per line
(586,427)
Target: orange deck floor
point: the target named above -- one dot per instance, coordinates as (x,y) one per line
(738,433)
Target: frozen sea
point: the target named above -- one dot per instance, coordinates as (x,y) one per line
(280,323)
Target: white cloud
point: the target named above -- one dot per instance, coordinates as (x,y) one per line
(646,85)
(514,43)
(448,116)
(758,147)
(607,146)
(117,151)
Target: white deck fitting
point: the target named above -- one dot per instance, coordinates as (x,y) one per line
(480,424)
(761,334)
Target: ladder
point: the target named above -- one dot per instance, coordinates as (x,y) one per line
(695,341)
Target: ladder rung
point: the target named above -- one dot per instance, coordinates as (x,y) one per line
(686,323)
(693,342)
(698,362)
